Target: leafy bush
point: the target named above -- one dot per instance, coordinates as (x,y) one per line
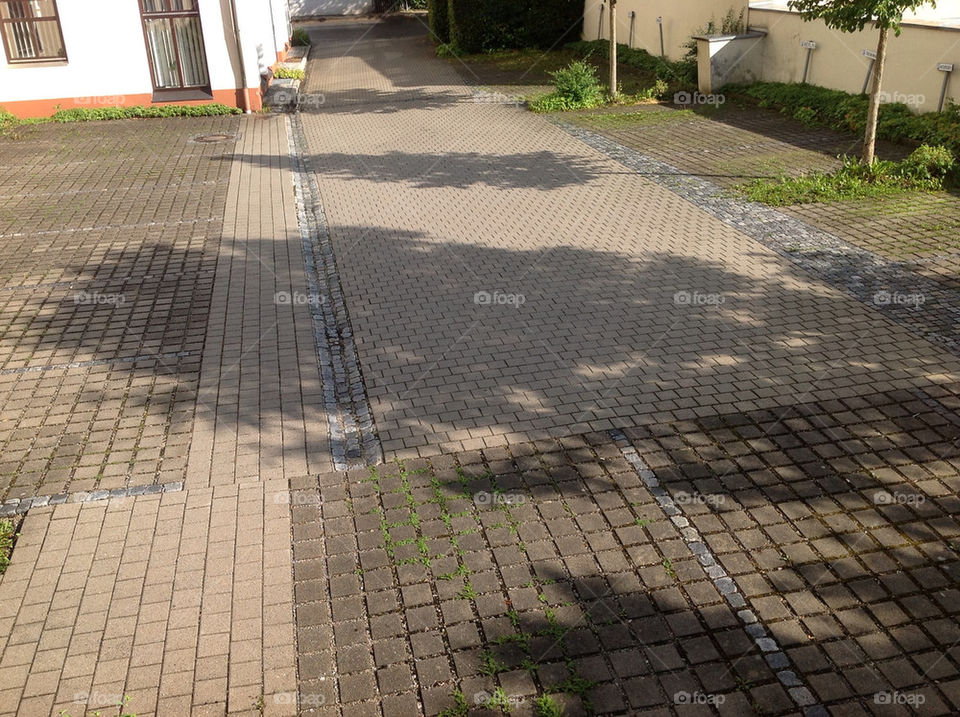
(7,120)
(845,112)
(577,88)
(84,114)
(448,49)
(287,73)
(438,17)
(929,163)
(680,73)
(578,82)
(484,25)
(300,37)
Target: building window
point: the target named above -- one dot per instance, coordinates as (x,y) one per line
(174,39)
(31,31)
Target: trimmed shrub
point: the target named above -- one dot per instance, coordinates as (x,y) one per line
(842,111)
(85,114)
(484,25)
(288,73)
(438,17)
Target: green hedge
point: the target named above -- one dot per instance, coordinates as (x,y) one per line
(845,112)
(483,25)
(84,114)
(439,23)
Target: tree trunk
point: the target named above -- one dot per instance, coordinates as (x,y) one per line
(873,114)
(613,48)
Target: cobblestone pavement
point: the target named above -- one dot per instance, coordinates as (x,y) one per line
(181,602)
(636,460)
(735,145)
(166,576)
(755,563)
(507,283)
(108,251)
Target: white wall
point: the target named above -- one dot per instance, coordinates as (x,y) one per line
(107,56)
(308,8)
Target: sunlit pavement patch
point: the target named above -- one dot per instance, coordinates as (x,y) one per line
(861,273)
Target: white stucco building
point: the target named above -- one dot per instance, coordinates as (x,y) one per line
(70,53)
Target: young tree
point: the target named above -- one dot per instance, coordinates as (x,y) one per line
(613,48)
(853,16)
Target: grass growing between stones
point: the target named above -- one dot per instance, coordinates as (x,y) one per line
(8,536)
(928,169)
(470,507)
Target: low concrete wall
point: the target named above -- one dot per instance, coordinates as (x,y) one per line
(911,74)
(682,19)
(314,8)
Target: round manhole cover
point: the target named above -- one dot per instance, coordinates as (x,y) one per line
(214,138)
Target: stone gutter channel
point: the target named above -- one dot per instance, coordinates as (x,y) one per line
(353,438)
(772,651)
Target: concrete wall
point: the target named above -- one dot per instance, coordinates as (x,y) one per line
(681,20)
(314,8)
(911,74)
(107,57)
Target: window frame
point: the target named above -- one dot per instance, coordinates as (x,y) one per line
(34,35)
(171,94)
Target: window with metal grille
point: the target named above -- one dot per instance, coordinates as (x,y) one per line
(31,31)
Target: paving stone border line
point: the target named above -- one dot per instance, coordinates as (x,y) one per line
(18,506)
(95,362)
(353,437)
(867,277)
(772,651)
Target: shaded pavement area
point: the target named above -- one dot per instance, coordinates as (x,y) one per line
(635,460)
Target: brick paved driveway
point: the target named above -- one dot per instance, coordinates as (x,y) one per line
(108,246)
(508,283)
(647,463)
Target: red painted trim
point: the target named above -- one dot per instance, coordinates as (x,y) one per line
(45,108)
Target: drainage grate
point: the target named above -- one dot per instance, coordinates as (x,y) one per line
(214,138)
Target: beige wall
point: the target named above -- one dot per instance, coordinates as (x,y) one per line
(681,20)
(838,61)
